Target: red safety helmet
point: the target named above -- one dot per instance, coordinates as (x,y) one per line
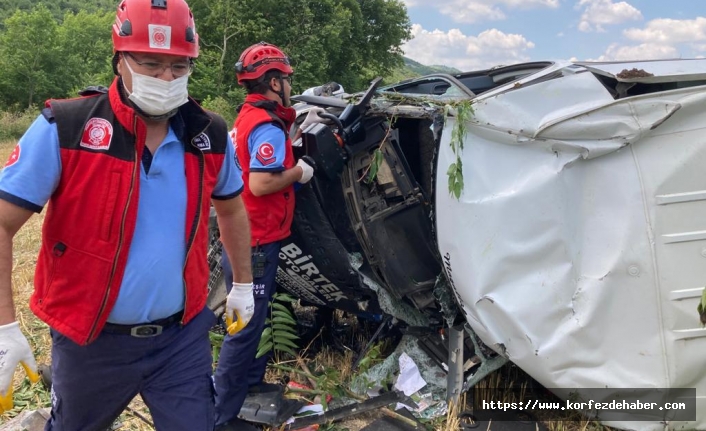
(258,59)
(156,26)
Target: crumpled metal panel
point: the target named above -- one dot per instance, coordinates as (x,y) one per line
(652,71)
(577,246)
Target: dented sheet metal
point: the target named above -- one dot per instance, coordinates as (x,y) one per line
(578,246)
(652,71)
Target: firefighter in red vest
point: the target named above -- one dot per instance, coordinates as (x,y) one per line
(264,152)
(128,175)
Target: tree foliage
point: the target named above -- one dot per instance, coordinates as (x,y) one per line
(347,41)
(57,8)
(86,49)
(29,58)
(52,49)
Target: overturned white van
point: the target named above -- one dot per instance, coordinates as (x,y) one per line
(578,245)
(571,239)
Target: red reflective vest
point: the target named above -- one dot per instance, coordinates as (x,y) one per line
(91,216)
(270,215)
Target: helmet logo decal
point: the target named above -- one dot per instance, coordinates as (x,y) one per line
(160,36)
(266,154)
(97,134)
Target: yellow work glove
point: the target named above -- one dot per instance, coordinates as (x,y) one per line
(240,307)
(14,349)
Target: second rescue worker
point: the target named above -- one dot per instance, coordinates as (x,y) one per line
(264,152)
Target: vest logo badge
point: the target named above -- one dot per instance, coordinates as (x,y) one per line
(266,154)
(233,134)
(97,134)
(14,157)
(160,36)
(202,142)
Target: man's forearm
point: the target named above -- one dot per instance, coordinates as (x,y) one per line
(7,305)
(235,236)
(12,218)
(264,183)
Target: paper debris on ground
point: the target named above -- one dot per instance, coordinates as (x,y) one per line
(410,380)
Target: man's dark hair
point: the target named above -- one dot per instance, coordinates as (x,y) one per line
(260,86)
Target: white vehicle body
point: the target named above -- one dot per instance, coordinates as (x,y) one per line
(577,248)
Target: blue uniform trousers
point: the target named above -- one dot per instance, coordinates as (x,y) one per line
(92,385)
(237,368)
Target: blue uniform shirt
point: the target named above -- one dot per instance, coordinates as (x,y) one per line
(152,287)
(266,145)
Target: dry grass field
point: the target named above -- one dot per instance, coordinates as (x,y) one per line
(136,417)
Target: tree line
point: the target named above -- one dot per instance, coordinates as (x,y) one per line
(54,49)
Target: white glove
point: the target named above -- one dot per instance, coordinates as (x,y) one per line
(14,349)
(240,307)
(312,118)
(307,171)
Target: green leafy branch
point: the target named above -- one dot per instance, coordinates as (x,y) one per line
(464,112)
(328,383)
(378,157)
(455,174)
(374,167)
(280,330)
(216,340)
(372,357)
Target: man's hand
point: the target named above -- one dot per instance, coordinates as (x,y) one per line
(312,118)
(308,166)
(14,349)
(240,307)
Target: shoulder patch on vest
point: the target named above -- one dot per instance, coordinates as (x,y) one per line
(266,154)
(97,134)
(202,142)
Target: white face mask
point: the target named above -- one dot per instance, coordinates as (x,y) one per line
(156,96)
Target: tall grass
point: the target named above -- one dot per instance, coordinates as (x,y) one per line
(14,124)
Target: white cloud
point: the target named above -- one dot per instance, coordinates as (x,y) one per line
(470,11)
(666,38)
(670,31)
(453,48)
(645,51)
(598,13)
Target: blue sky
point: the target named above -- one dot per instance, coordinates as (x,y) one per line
(476,34)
